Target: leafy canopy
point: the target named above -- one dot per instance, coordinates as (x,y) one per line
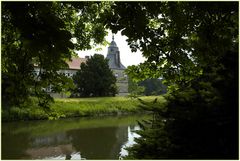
(194,47)
(42,34)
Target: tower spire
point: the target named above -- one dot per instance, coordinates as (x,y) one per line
(112,37)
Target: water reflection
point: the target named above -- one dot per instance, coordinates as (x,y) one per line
(102,138)
(131,136)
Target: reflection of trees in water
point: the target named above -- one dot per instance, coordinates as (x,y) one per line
(94,143)
(122,136)
(15,146)
(99,143)
(51,140)
(23,145)
(28,140)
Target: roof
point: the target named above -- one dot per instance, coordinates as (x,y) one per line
(113,44)
(76,62)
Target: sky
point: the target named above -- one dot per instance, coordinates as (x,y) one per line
(127,57)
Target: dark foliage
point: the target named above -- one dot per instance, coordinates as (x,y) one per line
(194,46)
(40,34)
(32,35)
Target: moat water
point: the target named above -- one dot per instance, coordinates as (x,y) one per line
(82,138)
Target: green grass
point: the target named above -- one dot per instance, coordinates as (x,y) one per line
(78,107)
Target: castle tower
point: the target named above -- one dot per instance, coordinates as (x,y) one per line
(114,56)
(117,67)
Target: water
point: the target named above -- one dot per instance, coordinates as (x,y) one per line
(85,138)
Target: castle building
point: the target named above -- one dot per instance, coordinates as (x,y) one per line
(113,55)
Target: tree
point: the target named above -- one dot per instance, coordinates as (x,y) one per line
(153,86)
(134,89)
(95,78)
(194,47)
(40,33)
(32,35)
(146,87)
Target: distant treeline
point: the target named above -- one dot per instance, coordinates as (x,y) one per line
(148,87)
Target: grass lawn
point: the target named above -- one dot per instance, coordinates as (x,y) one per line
(79,107)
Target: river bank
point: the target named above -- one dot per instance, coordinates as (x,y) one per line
(78,107)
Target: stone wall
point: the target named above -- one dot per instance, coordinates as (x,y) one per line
(122,81)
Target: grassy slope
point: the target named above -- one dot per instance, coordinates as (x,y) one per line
(77,107)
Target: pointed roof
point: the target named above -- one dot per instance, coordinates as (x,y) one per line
(113,43)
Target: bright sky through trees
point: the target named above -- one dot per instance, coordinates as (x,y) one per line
(127,57)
